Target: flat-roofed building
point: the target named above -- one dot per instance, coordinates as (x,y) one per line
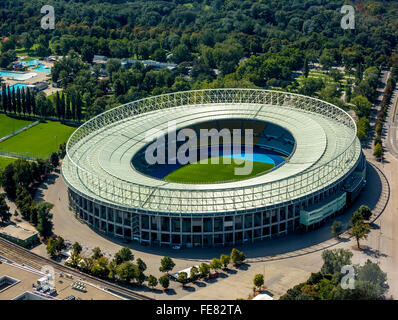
(18,282)
(23,237)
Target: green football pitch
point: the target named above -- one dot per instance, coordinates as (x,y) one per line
(9,125)
(39,141)
(4,162)
(215,173)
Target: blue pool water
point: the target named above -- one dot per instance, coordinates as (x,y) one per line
(268,157)
(30,62)
(42,68)
(17,76)
(18,85)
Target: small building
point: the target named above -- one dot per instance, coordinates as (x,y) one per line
(19,235)
(39,86)
(99,59)
(128,63)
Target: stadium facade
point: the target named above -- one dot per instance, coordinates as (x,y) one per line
(324,171)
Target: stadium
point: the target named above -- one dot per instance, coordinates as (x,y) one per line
(308,166)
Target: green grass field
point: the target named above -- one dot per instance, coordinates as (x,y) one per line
(39,141)
(4,162)
(214,173)
(9,125)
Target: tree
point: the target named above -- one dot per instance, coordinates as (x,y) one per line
(378,151)
(44,225)
(166,265)
(141,264)
(225,259)
(327,59)
(215,264)
(336,75)
(362,106)
(182,278)
(356,217)
(55,246)
(58,105)
(181,53)
(360,231)
(19,104)
(152,281)
(310,86)
(193,273)
(258,280)
(337,228)
(5,214)
(365,212)
(334,260)
(51,249)
(363,128)
(237,257)
(86,264)
(371,280)
(77,248)
(306,69)
(204,269)
(4,99)
(139,275)
(54,159)
(60,244)
(8,182)
(164,282)
(125,271)
(123,255)
(22,173)
(100,267)
(74,260)
(97,253)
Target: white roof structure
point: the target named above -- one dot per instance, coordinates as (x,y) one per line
(263,296)
(99,153)
(187,271)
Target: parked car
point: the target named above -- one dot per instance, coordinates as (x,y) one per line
(213,275)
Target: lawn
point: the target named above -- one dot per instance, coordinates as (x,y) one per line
(4,162)
(213,173)
(9,125)
(39,141)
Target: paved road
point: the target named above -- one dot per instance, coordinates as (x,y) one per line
(391,127)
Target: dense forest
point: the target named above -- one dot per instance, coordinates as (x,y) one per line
(216,43)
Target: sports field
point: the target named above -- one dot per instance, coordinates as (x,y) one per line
(39,141)
(4,162)
(9,125)
(214,173)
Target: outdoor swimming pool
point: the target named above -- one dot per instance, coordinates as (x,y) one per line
(18,86)
(17,76)
(42,68)
(30,62)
